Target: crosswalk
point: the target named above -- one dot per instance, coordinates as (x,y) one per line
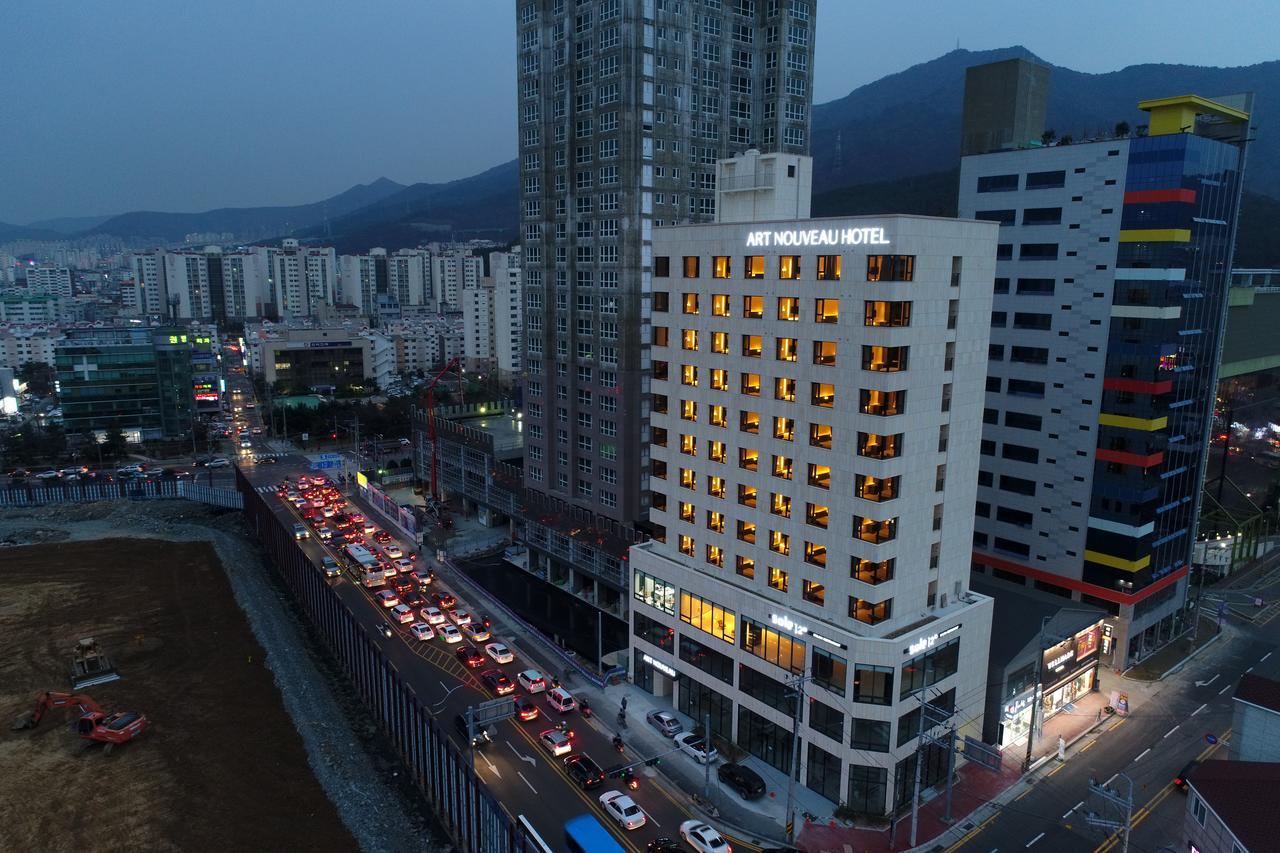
(271,454)
(265,490)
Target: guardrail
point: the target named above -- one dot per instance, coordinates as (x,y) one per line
(71,493)
(470,813)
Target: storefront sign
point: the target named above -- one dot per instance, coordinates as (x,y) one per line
(1017,706)
(1087,642)
(659,666)
(926,643)
(819,237)
(1059,660)
(788,624)
(326,344)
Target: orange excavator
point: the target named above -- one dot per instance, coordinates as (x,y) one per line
(93,724)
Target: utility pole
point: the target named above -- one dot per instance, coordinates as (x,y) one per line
(797,691)
(706,782)
(915,797)
(1110,796)
(1035,699)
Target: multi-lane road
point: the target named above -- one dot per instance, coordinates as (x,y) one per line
(1187,718)
(522,773)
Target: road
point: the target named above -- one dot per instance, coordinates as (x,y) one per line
(1151,747)
(525,777)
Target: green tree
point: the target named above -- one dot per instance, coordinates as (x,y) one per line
(115,445)
(1048,137)
(38,377)
(1122,129)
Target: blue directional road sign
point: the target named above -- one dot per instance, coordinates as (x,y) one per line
(328,457)
(325,463)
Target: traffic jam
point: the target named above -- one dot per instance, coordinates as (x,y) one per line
(423,612)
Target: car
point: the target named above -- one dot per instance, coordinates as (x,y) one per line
(300,531)
(424,577)
(497,681)
(525,709)
(532,681)
(328,512)
(369,528)
(460,617)
(413,598)
(1180,781)
(703,838)
(392,550)
(556,742)
(401,586)
(584,771)
(317,504)
(499,652)
(450,633)
(432,615)
(481,735)
(329,566)
(382,536)
(404,566)
(356,517)
(422,631)
(747,782)
(219,462)
(48,475)
(696,747)
(385,630)
(324,532)
(265,460)
(470,657)
(475,632)
(623,809)
(664,722)
(444,600)
(402,614)
(74,472)
(129,469)
(665,844)
(387,598)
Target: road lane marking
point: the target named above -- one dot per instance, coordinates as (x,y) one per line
(527,782)
(1264,657)
(1067,813)
(648,817)
(491,765)
(1250,669)
(1224,690)
(1109,781)
(522,756)
(1142,754)
(1088,745)
(1171,731)
(1198,710)
(1210,681)
(1034,840)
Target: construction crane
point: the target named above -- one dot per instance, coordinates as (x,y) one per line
(454,364)
(93,724)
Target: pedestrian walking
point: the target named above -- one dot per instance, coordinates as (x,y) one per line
(624,704)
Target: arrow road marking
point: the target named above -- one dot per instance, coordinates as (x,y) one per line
(1198,710)
(491,767)
(526,781)
(1207,683)
(522,757)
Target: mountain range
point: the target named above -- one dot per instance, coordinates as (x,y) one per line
(891,144)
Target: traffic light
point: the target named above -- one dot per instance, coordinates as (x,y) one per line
(653,762)
(620,773)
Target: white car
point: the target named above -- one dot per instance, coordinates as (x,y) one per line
(556,742)
(432,615)
(48,475)
(403,566)
(387,598)
(300,531)
(219,463)
(460,617)
(475,632)
(532,681)
(703,838)
(696,748)
(499,652)
(623,809)
(402,613)
(422,631)
(450,634)
(392,550)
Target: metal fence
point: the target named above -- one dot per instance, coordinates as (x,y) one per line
(227,498)
(66,493)
(470,813)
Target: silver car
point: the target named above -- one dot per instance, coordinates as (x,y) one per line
(665,722)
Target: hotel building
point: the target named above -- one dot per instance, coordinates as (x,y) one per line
(816,412)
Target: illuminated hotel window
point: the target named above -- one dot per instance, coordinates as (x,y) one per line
(785,349)
(720,266)
(753,307)
(689,339)
(789,267)
(782,467)
(690,266)
(747,495)
(746,567)
(875,489)
(778,579)
(720,304)
(871,571)
(751,384)
(747,531)
(779,542)
(789,308)
(815,593)
(875,532)
(753,266)
(720,342)
(748,458)
(824,353)
(752,346)
(780,505)
(826,310)
(690,303)
(828,267)
(784,389)
(816,514)
(815,554)
(784,428)
(749,422)
(820,436)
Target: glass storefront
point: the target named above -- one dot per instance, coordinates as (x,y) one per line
(1016,719)
(1058,697)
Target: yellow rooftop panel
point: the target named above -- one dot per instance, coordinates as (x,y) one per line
(1178,114)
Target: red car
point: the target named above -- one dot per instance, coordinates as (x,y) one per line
(470,657)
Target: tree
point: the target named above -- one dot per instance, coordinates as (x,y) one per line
(1122,129)
(1048,137)
(115,446)
(38,377)
(1066,140)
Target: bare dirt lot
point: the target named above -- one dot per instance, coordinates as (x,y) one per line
(222,768)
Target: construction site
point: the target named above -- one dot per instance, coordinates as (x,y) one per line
(176,738)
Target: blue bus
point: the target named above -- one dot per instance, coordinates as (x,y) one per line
(585,834)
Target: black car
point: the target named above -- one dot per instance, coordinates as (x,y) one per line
(584,771)
(744,780)
(664,845)
(1180,781)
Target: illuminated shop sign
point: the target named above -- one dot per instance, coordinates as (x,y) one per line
(791,626)
(659,666)
(327,344)
(1087,642)
(207,398)
(1017,706)
(819,237)
(926,643)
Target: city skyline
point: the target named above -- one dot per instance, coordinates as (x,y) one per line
(114,136)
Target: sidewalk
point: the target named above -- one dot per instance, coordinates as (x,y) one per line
(1163,662)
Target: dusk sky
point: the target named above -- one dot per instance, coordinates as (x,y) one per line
(151,104)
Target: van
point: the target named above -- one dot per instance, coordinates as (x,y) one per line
(402,614)
(373,579)
(562,700)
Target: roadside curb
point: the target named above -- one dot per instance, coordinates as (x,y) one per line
(1177,667)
